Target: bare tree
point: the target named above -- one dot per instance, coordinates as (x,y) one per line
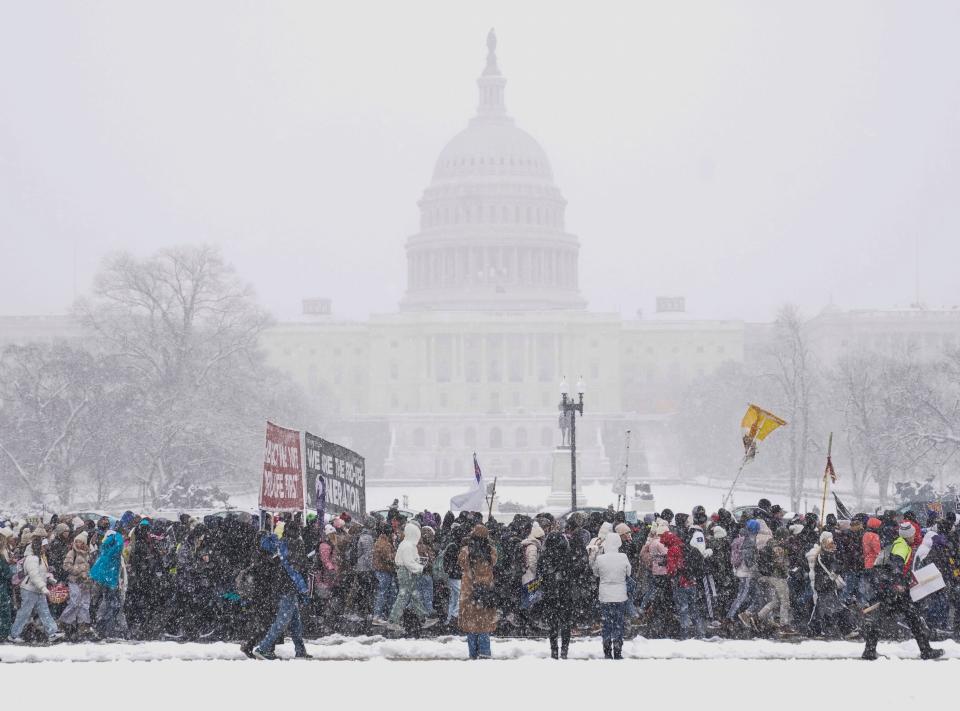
(185,329)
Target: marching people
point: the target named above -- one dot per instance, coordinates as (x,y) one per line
(225,580)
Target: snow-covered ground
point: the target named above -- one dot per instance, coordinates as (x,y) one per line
(363,670)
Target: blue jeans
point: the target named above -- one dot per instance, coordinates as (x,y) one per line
(30,601)
(453,606)
(108,614)
(288,613)
(685,600)
(386,594)
(611,614)
(478,645)
(426,592)
(743,597)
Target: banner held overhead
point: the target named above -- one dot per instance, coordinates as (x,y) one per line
(337,472)
(282,486)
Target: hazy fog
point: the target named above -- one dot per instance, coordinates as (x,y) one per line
(742,154)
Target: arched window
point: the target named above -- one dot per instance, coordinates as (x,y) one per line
(496,438)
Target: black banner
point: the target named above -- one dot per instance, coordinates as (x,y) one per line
(343,475)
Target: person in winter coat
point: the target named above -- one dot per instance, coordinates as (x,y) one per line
(106,574)
(556,572)
(409,569)
(774,566)
(33,593)
(363,590)
(76,566)
(530,547)
(292,586)
(653,558)
(744,558)
(683,587)
(57,551)
(261,585)
(892,574)
(720,570)
(612,567)
(828,584)
(384,570)
(453,572)
(427,551)
(477,614)
(6,584)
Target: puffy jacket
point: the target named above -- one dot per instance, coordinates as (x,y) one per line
(612,567)
(106,571)
(76,564)
(364,546)
(407,555)
(653,555)
(531,554)
(35,574)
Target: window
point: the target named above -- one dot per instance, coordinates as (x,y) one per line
(444,362)
(515,358)
(496,438)
(521,438)
(494,351)
(546,437)
(419,438)
(471,353)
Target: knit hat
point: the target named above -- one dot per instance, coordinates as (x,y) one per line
(77,523)
(80,538)
(753,525)
(907,531)
(622,528)
(60,528)
(826,536)
(7,532)
(338,523)
(660,527)
(719,532)
(536,531)
(873,523)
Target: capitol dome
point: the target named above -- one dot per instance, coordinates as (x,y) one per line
(492,219)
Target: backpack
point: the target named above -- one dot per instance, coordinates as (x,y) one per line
(736,554)
(765,561)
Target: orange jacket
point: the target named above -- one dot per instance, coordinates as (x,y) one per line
(871,548)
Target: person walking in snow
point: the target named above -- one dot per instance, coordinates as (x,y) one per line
(76,566)
(106,573)
(34,591)
(556,572)
(292,588)
(612,568)
(409,569)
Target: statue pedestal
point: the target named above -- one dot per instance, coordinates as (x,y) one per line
(559,497)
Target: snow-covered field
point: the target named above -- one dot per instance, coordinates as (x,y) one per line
(368,670)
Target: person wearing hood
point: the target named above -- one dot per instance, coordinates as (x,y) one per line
(76,567)
(612,568)
(106,574)
(653,559)
(556,571)
(409,568)
(530,548)
(34,591)
(595,546)
(892,576)
(478,612)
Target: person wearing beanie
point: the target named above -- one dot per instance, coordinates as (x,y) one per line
(653,560)
(57,551)
(33,593)
(892,575)
(76,567)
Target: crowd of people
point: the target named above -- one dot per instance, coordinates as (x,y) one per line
(673,575)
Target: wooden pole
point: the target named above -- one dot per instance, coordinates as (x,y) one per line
(493,495)
(826,482)
(729,495)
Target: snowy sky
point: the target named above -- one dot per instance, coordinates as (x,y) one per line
(740,153)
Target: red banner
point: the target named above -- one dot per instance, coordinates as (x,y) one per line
(282,485)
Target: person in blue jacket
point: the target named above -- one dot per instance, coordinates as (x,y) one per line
(106,574)
(291,589)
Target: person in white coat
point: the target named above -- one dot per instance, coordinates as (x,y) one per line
(33,593)
(612,567)
(409,570)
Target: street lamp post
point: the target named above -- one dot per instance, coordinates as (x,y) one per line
(568,405)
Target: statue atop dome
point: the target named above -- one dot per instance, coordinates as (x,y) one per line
(491,68)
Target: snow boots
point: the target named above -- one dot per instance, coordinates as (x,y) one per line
(607,649)
(554,649)
(618,649)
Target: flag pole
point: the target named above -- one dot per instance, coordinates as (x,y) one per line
(493,495)
(734,484)
(826,480)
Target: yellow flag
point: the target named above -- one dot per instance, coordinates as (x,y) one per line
(757,424)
